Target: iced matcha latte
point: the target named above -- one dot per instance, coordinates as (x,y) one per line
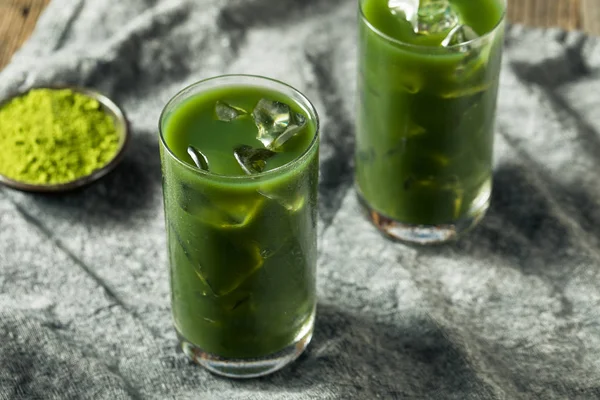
(240,166)
(427,88)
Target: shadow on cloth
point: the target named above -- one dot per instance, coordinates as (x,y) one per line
(549,75)
(38,363)
(519,219)
(360,357)
(554,72)
(120,195)
(245,14)
(522,227)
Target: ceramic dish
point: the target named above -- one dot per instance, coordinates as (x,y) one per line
(121,124)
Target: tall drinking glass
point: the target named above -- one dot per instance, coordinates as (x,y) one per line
(240,168)
(427,88)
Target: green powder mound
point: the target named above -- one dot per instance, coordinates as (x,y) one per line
(50,136)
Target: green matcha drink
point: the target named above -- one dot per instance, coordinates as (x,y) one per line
(240,167)
(427,89)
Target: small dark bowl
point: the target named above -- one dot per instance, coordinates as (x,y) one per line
(121,124)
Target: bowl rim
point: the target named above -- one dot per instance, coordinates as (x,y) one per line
(111,108)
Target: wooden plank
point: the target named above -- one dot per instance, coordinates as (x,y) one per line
(546,13)
(535,13)
(17,20)
(550,14)
(568,14)
(590,11)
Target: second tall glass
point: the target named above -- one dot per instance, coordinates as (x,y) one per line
(427,90)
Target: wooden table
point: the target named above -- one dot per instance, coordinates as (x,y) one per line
(18,18)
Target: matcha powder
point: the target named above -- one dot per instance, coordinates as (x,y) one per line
(50,136)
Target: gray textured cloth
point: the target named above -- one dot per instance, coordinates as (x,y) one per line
(512,311)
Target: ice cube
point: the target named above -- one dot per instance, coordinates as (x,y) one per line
(252,160)
(223,213)
(199,159)
(299,121)
(272,119)
(458,35)
(435,16)
(290,204)
(181,254)
(227,112)
(242,259)
(244,210)
(406,9)
(466,91)
(276,123)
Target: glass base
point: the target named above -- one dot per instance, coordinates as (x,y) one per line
(428,234)
(249,367)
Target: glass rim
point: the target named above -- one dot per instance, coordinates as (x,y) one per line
(307,106)
(448,49)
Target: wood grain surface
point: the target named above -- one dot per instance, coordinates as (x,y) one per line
(18,18)
(563,13)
